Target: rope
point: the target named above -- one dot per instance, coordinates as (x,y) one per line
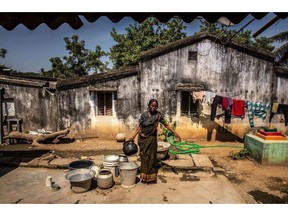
(185,147)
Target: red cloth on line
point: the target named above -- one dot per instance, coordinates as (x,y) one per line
(225,103)
(238,108)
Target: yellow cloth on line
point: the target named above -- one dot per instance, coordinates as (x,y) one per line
(274,107)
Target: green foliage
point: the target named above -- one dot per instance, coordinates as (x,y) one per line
(242,154)
(282,51)
(162,135)
(243,37)
(142,37)
(79,62)
(3,52)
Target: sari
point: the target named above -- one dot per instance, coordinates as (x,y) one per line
(147,141)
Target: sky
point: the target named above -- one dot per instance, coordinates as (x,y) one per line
(30,50)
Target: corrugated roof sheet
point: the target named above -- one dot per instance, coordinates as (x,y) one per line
(9,20)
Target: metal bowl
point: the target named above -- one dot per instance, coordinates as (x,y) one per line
(162,150)
(111,158)
(80,179)
(122,158)
(80,164)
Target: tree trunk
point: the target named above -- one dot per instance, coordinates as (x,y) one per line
(37,139)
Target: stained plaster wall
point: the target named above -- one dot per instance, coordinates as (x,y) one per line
(77,109)
(280,86)
(222,70)
(36,106)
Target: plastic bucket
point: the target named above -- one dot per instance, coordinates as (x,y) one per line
(128,172)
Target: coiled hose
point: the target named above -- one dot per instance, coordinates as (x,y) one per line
(185,147)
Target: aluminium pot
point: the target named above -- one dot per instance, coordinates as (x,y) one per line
(122,158)
(80,179)
(105,178)
(129,148)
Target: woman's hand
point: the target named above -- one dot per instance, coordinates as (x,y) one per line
(178,138)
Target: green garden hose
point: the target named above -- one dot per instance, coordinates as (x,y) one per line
(184,147)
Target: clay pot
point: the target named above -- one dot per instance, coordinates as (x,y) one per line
(120,137)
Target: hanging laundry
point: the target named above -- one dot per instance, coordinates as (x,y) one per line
(256,109)
(217,100)
(197,95)
(274,107)
(281,109)
(208,97)
(226,106)
(238,108)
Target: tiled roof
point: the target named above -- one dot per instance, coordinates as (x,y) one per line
(9,20)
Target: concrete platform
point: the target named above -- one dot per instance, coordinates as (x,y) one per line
(27,186)
(24,182)
(267,151)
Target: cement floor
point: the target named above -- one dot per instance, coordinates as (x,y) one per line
(25,185)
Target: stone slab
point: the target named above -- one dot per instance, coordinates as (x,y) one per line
(201,160)
(183,161)
(62,161)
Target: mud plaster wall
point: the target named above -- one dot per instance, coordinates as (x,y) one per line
(222,70)
(77,109)
(36,106)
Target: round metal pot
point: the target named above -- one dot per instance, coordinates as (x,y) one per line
(80,164)
(80,179)
(105,178)
(129,148)
(162,150)
(123,158)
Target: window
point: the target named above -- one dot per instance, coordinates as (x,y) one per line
(188,106)
(104,103)
(192,56)
(8,108)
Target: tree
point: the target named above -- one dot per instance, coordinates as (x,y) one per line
(79,62)
(243,37)
(3,52)
(142,37)
(282,51)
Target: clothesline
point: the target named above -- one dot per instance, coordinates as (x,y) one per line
(236,107)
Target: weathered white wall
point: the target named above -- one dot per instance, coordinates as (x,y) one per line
(77,109)
(36,106)
(222,70)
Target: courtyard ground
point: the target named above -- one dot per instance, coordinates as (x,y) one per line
(255,183)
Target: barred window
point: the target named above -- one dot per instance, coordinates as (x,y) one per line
(104,103)
(8,107)
(188,107)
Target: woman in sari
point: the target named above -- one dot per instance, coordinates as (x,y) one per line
(147,141)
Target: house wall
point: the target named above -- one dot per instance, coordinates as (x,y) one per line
(280,86)
(77,109)
(36,106)
(222,70)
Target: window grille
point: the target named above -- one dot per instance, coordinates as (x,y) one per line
(188,106)
(104,103)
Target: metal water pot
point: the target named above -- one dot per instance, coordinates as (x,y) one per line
(123,158)
(129,148)
(105,178)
